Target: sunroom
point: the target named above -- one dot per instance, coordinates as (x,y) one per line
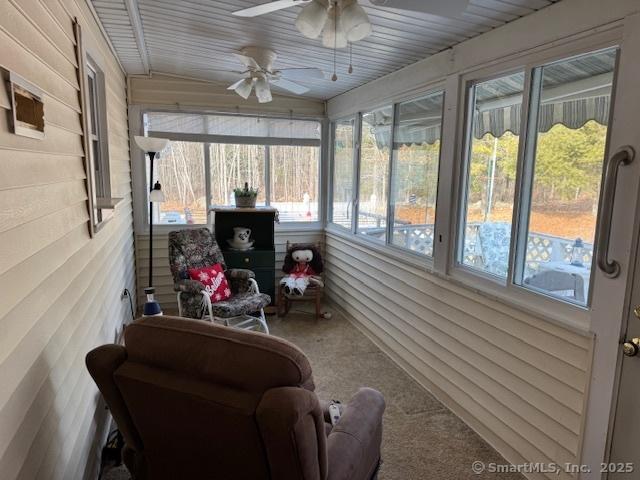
(319,239)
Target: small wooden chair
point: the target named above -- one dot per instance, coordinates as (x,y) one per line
(313,293)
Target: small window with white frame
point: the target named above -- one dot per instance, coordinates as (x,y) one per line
(493,130)
(342,202)
(98,165)
(414,176)
(373,179)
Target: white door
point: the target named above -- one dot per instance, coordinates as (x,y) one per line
(624,461)
(615,246)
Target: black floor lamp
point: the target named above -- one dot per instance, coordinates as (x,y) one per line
(152,147)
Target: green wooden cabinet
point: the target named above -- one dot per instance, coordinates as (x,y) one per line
(262,259)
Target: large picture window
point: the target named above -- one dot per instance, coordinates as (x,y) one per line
(343,172)
(278,157)
(416,155)
(492,154)
(374,172)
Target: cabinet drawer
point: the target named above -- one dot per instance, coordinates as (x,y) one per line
(251,259)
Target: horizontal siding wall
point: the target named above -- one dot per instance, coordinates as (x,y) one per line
(162,279)
(60,289)
(183,94)
(519,381)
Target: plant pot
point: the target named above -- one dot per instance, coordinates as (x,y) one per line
(245,202)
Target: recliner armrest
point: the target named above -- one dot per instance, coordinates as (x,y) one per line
(353,446)
(188,286)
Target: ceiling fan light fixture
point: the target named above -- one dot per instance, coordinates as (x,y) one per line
(334,35)
(312,19)
(263,91)
(244,88)
(355,22)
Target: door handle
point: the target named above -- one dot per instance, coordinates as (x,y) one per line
(631,347)
(624,156)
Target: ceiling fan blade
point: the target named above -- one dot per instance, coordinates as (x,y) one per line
(268,8)
(301,73)
(247,61)
(291,86)
(448,8)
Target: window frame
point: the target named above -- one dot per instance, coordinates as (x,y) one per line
(142,217)
(507,290)
(354,164)
(391,207)
(356,209)
(95,110)
(396,251)
(462,200)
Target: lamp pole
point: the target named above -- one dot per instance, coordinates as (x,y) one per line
(152,155)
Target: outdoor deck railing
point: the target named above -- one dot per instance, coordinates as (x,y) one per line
(541,248)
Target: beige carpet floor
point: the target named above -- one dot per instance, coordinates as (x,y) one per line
(422,439)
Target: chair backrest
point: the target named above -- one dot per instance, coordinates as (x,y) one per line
(554,281)
(494,243)
(318,248)
(192,248)
(197,400)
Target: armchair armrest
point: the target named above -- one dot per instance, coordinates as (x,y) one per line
(353,446)
(240,273)
(188,286)
(240,279)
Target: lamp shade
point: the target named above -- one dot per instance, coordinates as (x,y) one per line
(355,22)
(334,36)
(244,88)
(156,195)
(151,144)
(312,19)
(263,91)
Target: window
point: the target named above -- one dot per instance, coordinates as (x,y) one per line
(233,165)
(211,155)
(374,173)
(295,175)
(343,172)
(180,171)
(492,153)
(98,168)
(414,184)
(565,155)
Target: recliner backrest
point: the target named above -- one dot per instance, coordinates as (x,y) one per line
(198,400)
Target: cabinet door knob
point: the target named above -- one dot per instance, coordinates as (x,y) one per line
(246,259)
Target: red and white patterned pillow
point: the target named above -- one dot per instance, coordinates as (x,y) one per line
(214,281)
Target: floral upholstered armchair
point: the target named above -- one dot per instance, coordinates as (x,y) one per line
(197,248)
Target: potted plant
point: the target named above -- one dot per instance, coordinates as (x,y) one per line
(245,197)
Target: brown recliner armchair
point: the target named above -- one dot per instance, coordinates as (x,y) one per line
(194,400)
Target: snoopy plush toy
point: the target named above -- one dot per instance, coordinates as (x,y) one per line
(302,264)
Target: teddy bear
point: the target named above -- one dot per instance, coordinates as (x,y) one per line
(302,264)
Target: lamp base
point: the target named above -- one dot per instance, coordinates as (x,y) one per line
(151,307)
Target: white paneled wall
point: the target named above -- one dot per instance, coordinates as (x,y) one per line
(59,289)
(518,380)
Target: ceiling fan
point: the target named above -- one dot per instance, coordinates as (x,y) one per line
(345,20)
(260,74)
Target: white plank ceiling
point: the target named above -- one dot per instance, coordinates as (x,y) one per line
(195,38)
